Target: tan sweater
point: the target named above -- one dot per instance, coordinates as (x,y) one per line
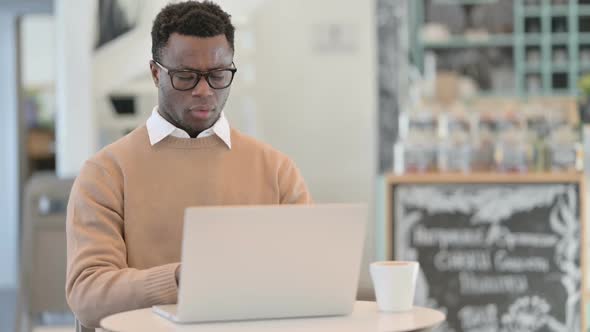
(125,213)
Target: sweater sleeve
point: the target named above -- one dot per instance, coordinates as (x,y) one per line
(98,281)
(292,187)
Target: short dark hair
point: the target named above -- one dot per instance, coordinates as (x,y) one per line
(191,18)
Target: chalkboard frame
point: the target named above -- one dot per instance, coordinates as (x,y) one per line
(575,178)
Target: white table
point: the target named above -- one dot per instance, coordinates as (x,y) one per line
(365,317)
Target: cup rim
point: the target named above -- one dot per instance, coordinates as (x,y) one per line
(404,263)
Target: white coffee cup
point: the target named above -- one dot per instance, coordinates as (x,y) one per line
(394,283)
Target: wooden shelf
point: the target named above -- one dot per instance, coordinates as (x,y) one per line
(464,2)
(583,10)
(40,144)
(556,10)
(534,68)
(584,38)
(560,10)
(531,11)
(532,39)
(519,40)
(471,42)
(560,38)
(560,68)
(560,92)
(487,177)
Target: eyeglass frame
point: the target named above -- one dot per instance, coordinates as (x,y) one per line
(199,74)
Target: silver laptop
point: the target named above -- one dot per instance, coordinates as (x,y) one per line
(259,262)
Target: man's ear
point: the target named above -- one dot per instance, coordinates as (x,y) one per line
(155,73)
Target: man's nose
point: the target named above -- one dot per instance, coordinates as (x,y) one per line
(202,88)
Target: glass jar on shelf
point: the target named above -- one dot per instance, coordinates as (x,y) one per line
(483,138)
(512,151)
(537,130)
(416,157)
(454,143)
(415,150)
(565,150)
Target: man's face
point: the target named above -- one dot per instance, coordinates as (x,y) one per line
(198,109)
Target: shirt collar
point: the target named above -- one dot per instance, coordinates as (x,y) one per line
(159,128)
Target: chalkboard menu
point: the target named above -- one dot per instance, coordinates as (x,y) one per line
(494,256)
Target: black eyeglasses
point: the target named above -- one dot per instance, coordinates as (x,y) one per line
(187,79)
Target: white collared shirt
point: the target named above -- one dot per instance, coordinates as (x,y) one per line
(159,128)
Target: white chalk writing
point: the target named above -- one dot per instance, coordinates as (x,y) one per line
(471,284)
(477,260)
(443,237)
(479,318)
(492,204)
(506,263)
(503,237)
(528,313)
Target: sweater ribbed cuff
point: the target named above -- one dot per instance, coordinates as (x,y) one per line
(161,285)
